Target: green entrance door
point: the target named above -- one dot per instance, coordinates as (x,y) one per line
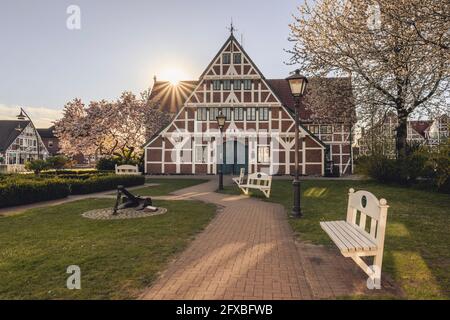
(235,157)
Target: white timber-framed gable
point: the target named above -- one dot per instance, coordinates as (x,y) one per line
(20,143)
(258,123)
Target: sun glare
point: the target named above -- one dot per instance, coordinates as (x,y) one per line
(174,76)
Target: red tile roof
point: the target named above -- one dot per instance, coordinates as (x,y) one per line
(171,98)
(326,99)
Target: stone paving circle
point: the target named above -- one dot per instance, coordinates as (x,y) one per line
(129,213)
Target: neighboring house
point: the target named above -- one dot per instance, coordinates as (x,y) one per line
(259,130)
(438,131)
(381,137)
(19,143)
(51,142)
(49,139)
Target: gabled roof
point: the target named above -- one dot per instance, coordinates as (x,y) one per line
(170,98)
(9,131)
(420,126)
(231,39)
(47,132)
(333,94)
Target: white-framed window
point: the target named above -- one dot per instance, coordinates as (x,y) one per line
(247,84)
(216,84)
(314,129)
(213,113)
(237,58)
(12,158)
(251,114)
(226,84)
(239,114)
(226,58)
(237,84)
(263,114)
(263,154)
(201,154)
(326,132)
(227,113)
(202,114)
(326,129)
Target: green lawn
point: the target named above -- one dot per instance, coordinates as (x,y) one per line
(417,245)
(166,186)
(117,258)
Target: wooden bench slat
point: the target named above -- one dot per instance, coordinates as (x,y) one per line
(356,232)
(351,231)
(334,237)
(348,245)
(349,236)
(351,243)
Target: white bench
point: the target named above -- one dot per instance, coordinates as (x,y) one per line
(240,180)
(351,236)
(259,180)
(127,169)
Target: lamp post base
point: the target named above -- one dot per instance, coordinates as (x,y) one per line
(296,210)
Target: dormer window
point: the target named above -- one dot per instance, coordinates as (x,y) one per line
(226,58)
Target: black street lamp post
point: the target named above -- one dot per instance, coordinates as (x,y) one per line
(297,84)
(221,123)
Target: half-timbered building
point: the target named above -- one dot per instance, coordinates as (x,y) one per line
(259,130)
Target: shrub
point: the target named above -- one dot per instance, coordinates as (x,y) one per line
(102,183)
(437,166)
(106,164)
(401,171)
(18,191)
(57,162)
(77,172)
(22,189)
(36,166)
(73,175)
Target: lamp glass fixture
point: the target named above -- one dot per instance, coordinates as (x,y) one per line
(297,83)
(221,120)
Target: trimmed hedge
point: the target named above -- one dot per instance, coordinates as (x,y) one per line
(103,183)
(60,172)
(81,176)
(15,192)
(24,189)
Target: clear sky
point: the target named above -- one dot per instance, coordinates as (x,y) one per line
(122,44)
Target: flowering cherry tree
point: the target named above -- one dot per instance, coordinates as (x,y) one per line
(106,128)
(397,53)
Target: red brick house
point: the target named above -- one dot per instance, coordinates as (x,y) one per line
(259,131)
(49,139)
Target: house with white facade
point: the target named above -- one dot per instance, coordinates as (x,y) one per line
(19,142)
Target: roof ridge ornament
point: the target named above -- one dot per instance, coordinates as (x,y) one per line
(232,28)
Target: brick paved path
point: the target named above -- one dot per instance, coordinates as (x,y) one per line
(248,251)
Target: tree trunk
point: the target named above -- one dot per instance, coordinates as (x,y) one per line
(402,134)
